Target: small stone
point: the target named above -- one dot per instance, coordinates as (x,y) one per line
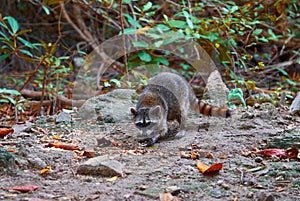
(250,195)
(220,182)
(258,159)
(295,106)
(63,117)
(225,186)
(101,166)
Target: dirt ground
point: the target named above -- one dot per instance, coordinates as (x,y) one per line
(151,172)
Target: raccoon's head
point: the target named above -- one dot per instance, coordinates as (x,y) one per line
(148,119)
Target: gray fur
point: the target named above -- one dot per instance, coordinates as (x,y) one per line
(173,98)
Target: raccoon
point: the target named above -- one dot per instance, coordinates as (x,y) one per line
(168,97)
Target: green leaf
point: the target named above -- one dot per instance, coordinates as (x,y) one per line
(257,32)
(163,27)
(140,44)
(131,21)
(9,91)
(46,9)
(161,60)
(3,35)
(282,71)
(178,24)
(3,56)
(144,56)
(25,42)
(117,82)
(147,6)
(129,31)
(26,52)
(13,23)
(188,20)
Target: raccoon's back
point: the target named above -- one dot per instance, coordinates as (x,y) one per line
(175,86)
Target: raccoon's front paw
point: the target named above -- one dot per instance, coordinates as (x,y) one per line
(148,142)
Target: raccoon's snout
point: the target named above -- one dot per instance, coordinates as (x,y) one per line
(142,124)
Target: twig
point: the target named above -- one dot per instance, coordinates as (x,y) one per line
(123,39)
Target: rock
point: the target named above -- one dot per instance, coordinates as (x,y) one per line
(63,117)
(295,106)
(263,196)
(109,108)
(101,166)
(217,90)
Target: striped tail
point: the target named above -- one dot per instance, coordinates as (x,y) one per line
(209,110)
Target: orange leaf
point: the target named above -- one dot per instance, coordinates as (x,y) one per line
(214,168)
(63,146)
(273,152)
(208,169)
(201,166)
(24,189)
(112,179)
(5,131)
(45,170)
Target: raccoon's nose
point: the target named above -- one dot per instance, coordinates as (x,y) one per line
(143,124)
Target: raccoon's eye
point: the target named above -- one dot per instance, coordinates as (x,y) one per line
(143,124)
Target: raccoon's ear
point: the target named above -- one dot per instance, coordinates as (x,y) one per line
(156,110)
(133,111)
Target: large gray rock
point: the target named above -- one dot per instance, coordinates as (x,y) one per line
(295,106)
(111,107)
(217,90)
(101,166)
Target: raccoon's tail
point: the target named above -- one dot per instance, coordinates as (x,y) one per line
(209,110)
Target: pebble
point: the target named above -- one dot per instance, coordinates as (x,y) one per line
(101,166)
(258,159)
(63,117)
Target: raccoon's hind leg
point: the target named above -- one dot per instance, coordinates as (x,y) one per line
(182,124)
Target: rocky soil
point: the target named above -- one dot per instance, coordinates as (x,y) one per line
(122,169)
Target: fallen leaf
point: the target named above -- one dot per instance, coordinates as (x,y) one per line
(223,156)
(11,150)
(214,168)
(273,152)
(208,169)
(256,169)
(64,146)
(5,131)
(209,155)
(42,130)
(292,152)
(259,186)
(201,166)
(280,190)
(185,155)
(113,178)
(24,189)
(194,155)
(89,154)
(78,158)
(45,171)
(167,197)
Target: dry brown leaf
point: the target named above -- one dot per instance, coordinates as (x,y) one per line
(24,189)
(5,131)
(64,146)
(113,178)
(167,197)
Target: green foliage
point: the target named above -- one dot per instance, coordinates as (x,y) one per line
(13,42)
(14,98)
(236,93)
